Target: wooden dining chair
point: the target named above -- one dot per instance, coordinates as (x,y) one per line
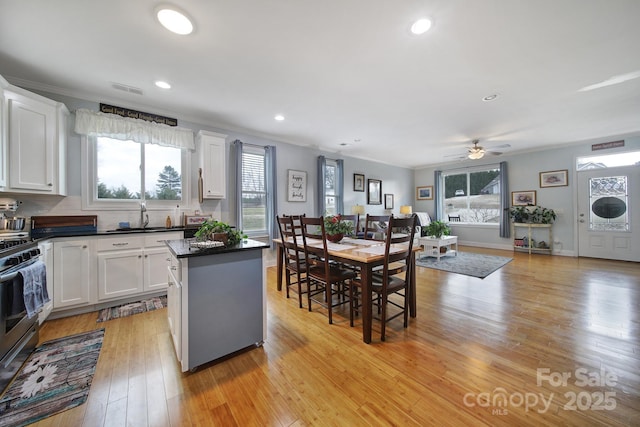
(294,259)
(353,219)
(373,229)
(392,281)
(327,283)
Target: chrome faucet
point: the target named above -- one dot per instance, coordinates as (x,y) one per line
(144,218)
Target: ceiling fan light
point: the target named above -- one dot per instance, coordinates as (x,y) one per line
(476,154)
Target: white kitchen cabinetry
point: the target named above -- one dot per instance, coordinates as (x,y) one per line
(3,133)
(119,266)
(71,273)
(37,129)
(132,264)
(213,163)
(155,259)
(174,303)
(46,249)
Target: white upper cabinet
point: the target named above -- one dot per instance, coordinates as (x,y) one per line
(36,130)
(213,163)
(3,133)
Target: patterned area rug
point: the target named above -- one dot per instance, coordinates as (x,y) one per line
(467,263)
(56,377)
(132,308)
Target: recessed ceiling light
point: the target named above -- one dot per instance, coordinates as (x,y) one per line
(421,26)
(174,20)
(489,97)
(163,85)
(279,117)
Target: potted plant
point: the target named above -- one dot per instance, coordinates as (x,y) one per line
(220,231)
(542,215)
(438,229)
(336,228)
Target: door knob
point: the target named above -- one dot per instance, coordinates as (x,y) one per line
(582,220)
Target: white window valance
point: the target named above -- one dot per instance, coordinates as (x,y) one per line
(96,123)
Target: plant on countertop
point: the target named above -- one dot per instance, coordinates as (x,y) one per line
(210,228)
(334,224)
(532,214)
(437,229)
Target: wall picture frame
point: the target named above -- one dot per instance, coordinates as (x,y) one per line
(374,192)
(296,186)
(523,198)
(559,178)
(358,182)
(388,201)
(424,193)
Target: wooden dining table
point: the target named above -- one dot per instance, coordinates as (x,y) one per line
(365,255)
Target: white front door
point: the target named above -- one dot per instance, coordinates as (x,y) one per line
(609,213)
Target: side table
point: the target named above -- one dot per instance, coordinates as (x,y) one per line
(432,245)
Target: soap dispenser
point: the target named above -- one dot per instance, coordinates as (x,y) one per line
(168,223)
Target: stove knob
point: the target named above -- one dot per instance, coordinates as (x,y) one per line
(26,256)
(14,260)
(34,252)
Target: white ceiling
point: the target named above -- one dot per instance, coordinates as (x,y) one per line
(347,71)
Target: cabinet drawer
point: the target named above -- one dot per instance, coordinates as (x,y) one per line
(119,243)
(152,240)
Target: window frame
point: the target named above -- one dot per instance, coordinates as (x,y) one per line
(247,149)
(89,188)
(468,171)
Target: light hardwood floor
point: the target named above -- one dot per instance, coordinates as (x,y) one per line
(473,342)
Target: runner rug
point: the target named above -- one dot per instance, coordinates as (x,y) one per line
(467,263)
(132,308)
(56,377)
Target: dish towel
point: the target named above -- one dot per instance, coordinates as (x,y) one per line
(34,279)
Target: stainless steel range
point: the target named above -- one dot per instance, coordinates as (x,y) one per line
(18,333)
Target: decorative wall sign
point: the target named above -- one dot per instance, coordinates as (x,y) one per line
(133,114)
(374,195)
(607,145)
(554,178)
(297,186)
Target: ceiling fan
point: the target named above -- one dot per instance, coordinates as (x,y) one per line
(477,151)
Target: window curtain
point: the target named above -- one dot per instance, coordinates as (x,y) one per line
(505,227)
(320,187)
(238,147)
(271,188)
(437,191)
(340,186)
(96,123)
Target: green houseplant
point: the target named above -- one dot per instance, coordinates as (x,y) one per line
(438,229)
(532,215)
(217,230)
(336,228)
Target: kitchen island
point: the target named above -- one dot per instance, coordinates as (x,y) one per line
(216,300)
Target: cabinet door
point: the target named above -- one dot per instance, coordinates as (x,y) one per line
(213,163)
(3,135)
(119,273)
(71,273)
(174,310)
(32,133)
(46,249)
(155,264)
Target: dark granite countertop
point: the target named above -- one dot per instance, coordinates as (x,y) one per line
(115,232)
(182,249)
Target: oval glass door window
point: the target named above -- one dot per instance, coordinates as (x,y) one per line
(609,207)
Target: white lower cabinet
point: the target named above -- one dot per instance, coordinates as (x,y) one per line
(174,304)
(71,273)
(156,255)
(119,262)
(46,249)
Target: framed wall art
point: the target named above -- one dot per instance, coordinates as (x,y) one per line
(297,186)
(358,182)
(424,193)
(523,198)
(388,201)
(374,193)
(554,178)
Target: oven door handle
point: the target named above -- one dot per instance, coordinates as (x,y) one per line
(13,273)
